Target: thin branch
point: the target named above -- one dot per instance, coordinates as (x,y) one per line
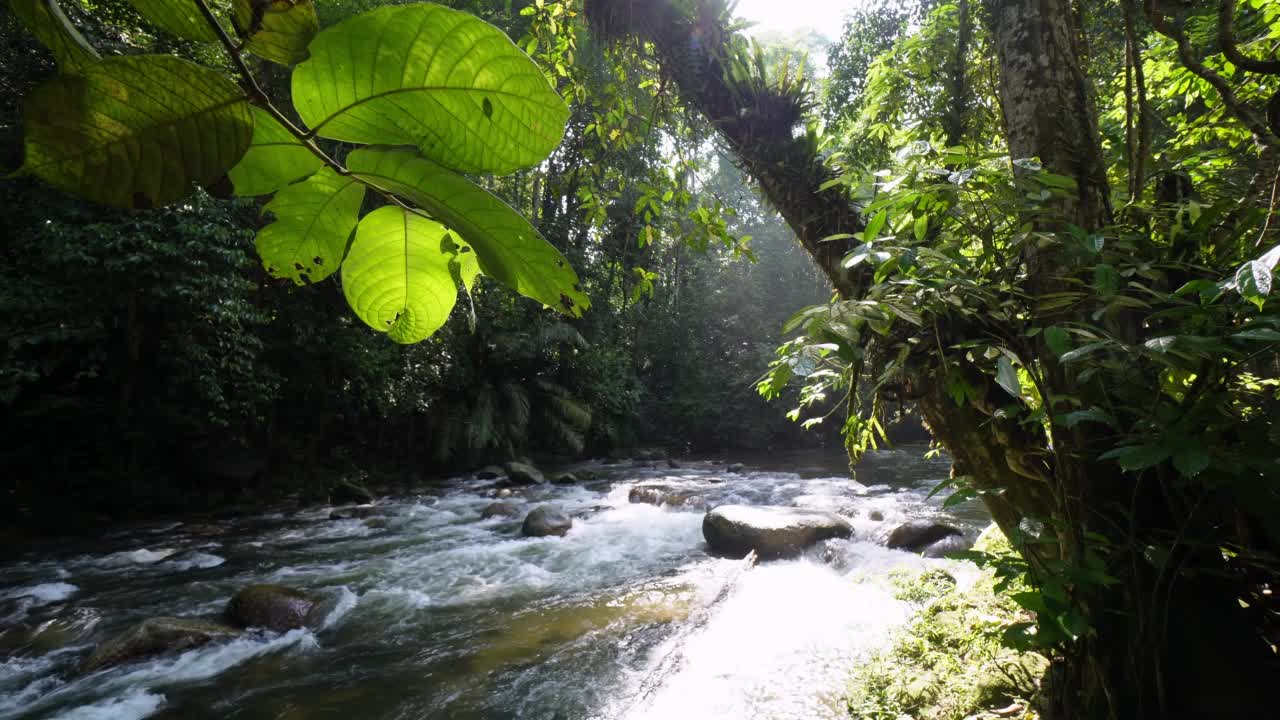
(1227,39)
(1142,153)
(1271,211)
(1186,53)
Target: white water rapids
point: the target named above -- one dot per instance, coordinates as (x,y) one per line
(440,614)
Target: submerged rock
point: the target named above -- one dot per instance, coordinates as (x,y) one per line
(565,479)
(155,636)
(490,472)
(546,520)
(274,607)
(917,535)
(771,531)
(665,495)
(947,545)
(346,492)
(525,474)
(499,509)
(734,468)
(671,463)
(53,634)
(354,512)
(875,515)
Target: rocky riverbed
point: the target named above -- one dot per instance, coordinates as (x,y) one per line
(608,603)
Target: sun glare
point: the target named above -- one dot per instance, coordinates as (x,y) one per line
(786,16)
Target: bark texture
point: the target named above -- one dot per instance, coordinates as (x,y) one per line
(763,125)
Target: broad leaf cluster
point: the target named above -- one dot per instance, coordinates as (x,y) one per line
(435,93)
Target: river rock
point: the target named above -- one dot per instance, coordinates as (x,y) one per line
(154,636)
(947,545)
(273,607)
(671,463)
(875,515)
(917,535)
(499,509)
(664,495)
(354,512)
(67,628)
(525,474)
(14,609)
(565,479)
(546,520)
(490,472)
(734,468)
(377,523)
(349,492)
(771,531)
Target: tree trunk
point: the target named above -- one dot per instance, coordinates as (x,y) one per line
(1157,638)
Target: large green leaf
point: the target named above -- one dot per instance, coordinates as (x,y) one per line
(278,30)
(314,220)
(46,21)
(179,17)
(396,276)
(508,248)
(442,80)
(275,158)
(137,131)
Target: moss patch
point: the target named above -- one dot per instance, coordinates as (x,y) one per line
(948,663)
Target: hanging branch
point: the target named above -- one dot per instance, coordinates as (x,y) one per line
(1131,149)
(1227,39)
(1238,109)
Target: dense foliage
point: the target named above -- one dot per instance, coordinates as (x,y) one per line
(1049,227)
(151,361)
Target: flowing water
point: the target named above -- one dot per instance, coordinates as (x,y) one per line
(440,614)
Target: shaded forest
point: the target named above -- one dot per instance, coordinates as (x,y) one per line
(152,364)
(1046,227)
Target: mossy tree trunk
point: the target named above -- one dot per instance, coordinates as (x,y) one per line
(1149,652)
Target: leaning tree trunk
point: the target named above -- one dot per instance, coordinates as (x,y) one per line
(1147,654)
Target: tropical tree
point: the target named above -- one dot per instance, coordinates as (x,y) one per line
(1101,379)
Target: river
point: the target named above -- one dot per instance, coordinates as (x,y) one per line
(440,614)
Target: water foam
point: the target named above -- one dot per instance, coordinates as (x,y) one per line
(132,705)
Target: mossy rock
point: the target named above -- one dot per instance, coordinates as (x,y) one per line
(525,474)
(546,520)
(154,636)
(274,607)
(349,492)
(565,479)
(500,509)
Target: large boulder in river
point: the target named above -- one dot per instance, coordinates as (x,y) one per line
(154,636)
(273,607)
(565,479)
(773,532)
(546,520)
(917,535)
(349,492)
(665,495)
(525,474)
(489,472)
(499,509)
